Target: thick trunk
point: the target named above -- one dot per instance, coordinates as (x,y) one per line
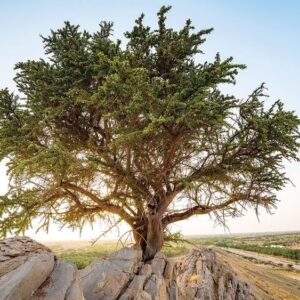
(155,238)
(150,237)
(149,232)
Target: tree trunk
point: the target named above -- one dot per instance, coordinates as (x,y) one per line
(149,232)
(149,237)
(154,238)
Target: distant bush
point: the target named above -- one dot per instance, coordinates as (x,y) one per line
(272,244)
(276,251)
(82,258)
(174,251)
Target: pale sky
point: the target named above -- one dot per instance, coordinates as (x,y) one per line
(265,35)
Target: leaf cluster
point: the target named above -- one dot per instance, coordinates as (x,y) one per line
(99,128)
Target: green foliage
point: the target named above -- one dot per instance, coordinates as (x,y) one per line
(175,250)
(173,237)
(83,257)
(99,129)
(265,244)
(284,252)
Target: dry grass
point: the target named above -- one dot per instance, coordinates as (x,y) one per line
(82,253)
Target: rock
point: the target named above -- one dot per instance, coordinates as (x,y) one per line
(106,279)
(158,263)
(75,291)
(63,283)
(170,276)
(146,270)
(30,271)
(156,287)
(202,275)
(123,276)
(135,288)
(143,296)
(26,266)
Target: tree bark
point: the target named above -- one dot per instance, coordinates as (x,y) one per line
(149,231)
(149,236)
(155,237)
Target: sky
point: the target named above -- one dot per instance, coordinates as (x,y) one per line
(264,35)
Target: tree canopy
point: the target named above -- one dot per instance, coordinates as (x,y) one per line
(141,131)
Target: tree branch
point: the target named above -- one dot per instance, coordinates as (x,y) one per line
(103,203)
(203,209)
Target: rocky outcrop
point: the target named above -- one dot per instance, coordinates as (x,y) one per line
(149,282)
(24,266)
(124,276)
(202,274)
(107,278)
(28,270)
(62,284)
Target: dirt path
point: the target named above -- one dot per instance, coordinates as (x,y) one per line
(268,259)
(269,281)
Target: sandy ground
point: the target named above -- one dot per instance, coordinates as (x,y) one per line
(269,281)
(268,259)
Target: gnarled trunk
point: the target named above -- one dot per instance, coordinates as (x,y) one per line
(155,237)
(149,233)
(150,236)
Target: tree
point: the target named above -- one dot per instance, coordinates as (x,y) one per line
(142,132)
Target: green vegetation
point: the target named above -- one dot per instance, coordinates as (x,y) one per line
(284,245)
(284,252)
(175,250)
(82,256)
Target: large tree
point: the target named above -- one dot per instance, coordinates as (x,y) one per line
(142,132)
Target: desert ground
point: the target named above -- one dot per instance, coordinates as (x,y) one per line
(271,280)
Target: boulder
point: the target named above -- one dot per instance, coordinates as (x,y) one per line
(62,284)
(29,270)
(156,287)
(124,276)
(107,278)
(25,265)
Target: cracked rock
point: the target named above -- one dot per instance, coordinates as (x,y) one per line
(106,279)
(30,271)
(28,266)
